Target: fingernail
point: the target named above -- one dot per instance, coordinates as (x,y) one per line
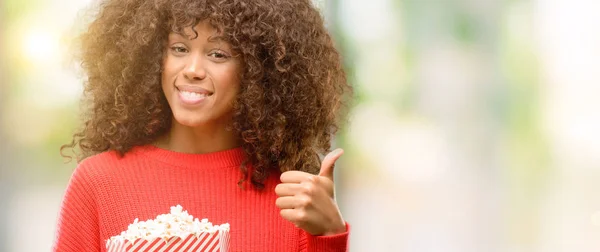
(337,151)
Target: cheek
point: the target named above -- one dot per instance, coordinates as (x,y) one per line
(229,85)
(170,68)
(232,79)
(233,87)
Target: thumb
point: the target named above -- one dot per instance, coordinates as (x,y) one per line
(328,163)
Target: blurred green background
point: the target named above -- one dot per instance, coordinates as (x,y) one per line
(476,125)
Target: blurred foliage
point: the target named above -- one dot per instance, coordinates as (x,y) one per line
(52,126)
(14,9)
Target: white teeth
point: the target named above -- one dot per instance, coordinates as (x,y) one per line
(192,95)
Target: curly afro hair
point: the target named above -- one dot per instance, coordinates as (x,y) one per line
(293,86)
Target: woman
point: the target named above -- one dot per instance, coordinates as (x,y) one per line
(221,106)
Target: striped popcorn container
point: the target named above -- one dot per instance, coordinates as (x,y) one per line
(176,231)
(205,242)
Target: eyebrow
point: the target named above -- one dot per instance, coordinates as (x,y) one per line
(217,38)
(211,39)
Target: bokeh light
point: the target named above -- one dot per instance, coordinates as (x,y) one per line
(40,46)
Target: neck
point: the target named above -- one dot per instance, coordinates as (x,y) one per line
(198,140)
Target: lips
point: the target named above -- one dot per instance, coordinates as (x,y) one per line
(192,95)
(193,89)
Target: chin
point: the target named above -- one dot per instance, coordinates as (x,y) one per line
(189,121)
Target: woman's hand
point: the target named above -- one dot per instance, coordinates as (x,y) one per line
(308,200)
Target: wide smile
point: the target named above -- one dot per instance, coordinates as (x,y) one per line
(192,95)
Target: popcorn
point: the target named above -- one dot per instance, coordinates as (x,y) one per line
(176,231)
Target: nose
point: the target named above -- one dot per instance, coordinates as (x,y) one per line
(194,69)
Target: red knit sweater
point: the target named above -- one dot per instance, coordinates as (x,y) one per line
(106,193)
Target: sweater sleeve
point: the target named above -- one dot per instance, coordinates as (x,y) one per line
(77,228)
(333,243)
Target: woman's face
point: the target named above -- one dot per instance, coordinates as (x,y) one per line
(200,77)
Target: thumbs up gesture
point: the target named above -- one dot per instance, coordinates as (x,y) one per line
(308,200)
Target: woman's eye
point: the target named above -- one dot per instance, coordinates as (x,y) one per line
(218,55)
(179,49)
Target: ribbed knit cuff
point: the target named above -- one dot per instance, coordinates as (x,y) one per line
(331,243)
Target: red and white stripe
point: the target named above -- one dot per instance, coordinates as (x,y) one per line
(205,242)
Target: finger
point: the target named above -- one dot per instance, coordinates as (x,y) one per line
(294,176)
(288,189)
(288,214)
(288,202)
(328,163)
(294,215)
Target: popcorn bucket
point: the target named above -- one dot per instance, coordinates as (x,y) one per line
(177,231)
(204,242)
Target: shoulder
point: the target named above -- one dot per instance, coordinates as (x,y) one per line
(97,163)
(111,164)
(91,169)
(86,180)
(100,159)
(104,165)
